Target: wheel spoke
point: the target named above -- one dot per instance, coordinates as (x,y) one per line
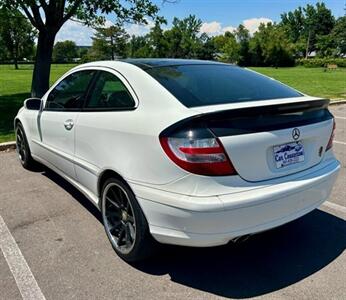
(127,209)
(128,238)
(113,202)
(132,231)
(130,219)
(121,236)
(117,197)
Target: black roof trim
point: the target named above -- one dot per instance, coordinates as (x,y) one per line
(150,63)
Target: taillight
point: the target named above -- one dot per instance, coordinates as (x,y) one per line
(330,142)
(203,155)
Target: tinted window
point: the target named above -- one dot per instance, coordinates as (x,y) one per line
(109,93)
(198,85)
(69,93)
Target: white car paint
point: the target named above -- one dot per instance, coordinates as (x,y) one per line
(181,207)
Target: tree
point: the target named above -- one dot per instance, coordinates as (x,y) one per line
(220,41)
(304,25)
(318,21)
(206,49)
(49,16)
(3,50)
(139,46)
(82,51)
(182,38)
(243,38)
(270,47)
(110,42)
(230,50)
(157,41)
(64,51)
(278,52)
(333,44)
(17,35)
(326,45)
(294,24)
(339,35)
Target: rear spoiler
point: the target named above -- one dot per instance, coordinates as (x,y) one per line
(257,119)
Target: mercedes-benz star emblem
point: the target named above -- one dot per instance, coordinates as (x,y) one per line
(295,134)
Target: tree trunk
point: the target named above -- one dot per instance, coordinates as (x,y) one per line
(16,63)
(15,56)
(307,46)
(40,77)
(112,48)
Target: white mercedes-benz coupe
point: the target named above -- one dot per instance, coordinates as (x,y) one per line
(183,152)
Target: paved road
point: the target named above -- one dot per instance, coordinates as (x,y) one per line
(61,237)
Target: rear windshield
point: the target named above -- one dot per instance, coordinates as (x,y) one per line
(199,85)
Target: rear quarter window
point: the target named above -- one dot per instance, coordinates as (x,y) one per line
(109,93)
(200,85)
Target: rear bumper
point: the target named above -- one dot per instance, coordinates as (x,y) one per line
(211,221)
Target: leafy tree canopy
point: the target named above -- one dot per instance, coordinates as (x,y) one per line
(65,51)
(16,35)
(304,25)
(183,37)
(269,46)
(111,42)
(339,35)
(49,15)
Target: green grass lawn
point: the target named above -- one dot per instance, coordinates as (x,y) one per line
(311,81)
(15,87)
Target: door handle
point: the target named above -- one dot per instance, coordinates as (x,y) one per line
(68,124)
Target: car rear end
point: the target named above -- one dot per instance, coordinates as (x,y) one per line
(256,155)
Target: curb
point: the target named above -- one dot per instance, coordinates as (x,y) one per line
(337,102)
(7,146)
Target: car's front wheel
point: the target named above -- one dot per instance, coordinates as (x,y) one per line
(124,222)
(23,150)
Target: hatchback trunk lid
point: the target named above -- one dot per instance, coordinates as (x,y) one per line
(269,141)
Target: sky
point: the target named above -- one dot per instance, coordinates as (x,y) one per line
(217,16)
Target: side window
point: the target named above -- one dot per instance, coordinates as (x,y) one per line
(69,93)
(109,93)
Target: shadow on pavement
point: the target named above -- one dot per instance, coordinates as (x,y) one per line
(76,194)
(265,263)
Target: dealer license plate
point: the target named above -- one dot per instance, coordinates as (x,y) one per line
(288,154)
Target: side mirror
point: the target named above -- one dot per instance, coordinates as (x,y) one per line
(33,103)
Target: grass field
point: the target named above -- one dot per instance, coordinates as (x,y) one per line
(15,87)
(311,81)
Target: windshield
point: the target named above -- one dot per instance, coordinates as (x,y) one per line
(199,85)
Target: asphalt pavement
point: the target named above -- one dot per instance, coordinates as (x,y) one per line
(56,237)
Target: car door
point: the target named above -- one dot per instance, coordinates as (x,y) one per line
(58,118)
(102,126)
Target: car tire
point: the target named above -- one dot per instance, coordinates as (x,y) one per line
(124,222)
(23,150)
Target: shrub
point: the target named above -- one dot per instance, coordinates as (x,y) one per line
(321,62)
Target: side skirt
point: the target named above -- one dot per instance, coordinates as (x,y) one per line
(86,192)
